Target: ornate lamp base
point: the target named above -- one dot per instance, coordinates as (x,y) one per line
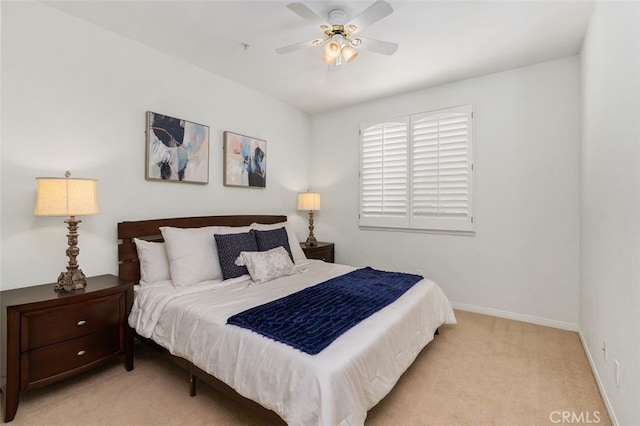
(311,239)
(71,280)
(311,242)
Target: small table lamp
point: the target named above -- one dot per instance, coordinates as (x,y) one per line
(67,197)
(309,201)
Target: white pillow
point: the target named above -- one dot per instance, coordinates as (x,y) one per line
(154,265)
(294,244)
(267,265)
(192,252)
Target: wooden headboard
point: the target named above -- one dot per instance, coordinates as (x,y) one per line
(128,264)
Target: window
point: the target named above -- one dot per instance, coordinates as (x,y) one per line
(416,171)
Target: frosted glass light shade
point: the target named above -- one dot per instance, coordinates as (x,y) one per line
(331,52)
(348,53)
(65,197)
(309,201)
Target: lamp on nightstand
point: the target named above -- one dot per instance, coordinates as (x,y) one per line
(67,197)
(309,201)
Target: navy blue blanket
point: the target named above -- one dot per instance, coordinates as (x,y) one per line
(312,318)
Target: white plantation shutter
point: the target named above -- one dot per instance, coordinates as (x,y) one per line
(416,172)
(384,176)
(441,170)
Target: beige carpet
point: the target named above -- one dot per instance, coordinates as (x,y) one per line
(483,371)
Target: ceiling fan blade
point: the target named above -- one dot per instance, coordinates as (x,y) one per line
(370,15)
(304,12)
(379,46)
(298,46)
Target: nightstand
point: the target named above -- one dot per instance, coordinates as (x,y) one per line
(48,336)
(323,251)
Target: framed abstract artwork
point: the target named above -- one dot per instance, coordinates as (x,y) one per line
(177,150)
(245,161)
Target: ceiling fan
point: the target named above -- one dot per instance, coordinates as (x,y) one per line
(340,37)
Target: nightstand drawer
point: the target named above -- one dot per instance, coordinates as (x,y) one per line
(51,326)
(322,251)
(52,360)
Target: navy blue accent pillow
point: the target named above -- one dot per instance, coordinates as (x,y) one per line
(229,248)
(268,240)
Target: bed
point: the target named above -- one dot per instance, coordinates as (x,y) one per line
(187,319)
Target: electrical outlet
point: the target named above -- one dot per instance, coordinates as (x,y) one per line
(604,349)
(617,372)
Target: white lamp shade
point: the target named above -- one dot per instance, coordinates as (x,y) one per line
(65,197)
(308,201)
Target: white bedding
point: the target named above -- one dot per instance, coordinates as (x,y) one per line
(335,387)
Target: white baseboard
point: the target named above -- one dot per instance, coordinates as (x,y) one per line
(603,393)
(514,316)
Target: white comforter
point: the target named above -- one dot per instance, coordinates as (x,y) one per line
(335,387)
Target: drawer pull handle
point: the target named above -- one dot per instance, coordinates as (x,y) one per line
(81,322)
(81,353)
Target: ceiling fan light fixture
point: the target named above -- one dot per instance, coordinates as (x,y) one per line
(339,45)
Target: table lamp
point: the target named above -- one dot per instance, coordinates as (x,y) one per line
(309,201)
(67,197)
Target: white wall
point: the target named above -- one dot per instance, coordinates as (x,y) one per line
(610,203)
(523,260)
(74,97)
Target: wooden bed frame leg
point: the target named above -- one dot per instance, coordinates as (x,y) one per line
(193,381)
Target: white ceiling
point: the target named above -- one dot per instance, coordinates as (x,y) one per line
(440,42)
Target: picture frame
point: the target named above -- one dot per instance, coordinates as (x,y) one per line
(177,150)
(245,161)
